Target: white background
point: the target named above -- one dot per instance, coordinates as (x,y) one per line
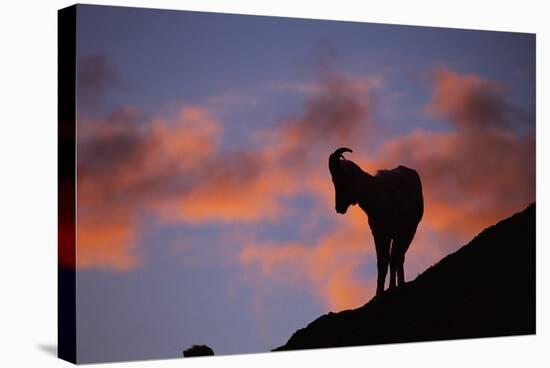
(28,182)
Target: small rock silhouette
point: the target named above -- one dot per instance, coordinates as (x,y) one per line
(198,350)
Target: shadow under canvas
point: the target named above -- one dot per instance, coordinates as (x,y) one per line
(50,349)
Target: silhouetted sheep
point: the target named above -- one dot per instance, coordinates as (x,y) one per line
(393,202)
(198,350)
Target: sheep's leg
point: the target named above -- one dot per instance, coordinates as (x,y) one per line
(382,256)
(401,271)
(394,266)
(398,255)
(398,259)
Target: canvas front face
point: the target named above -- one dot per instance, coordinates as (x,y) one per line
(214,208)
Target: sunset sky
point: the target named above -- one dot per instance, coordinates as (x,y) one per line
(205,210)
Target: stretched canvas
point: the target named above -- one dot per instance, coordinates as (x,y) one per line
(235,184)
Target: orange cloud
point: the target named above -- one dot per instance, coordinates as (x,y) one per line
(126,165)
(344,291)
(193,138)
(238,187)
(483,170)
(328,266)
(107,241)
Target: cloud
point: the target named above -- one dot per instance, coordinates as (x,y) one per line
(481,171)
(371,82)
(249,185)
(327,267)
(339,113)
(238,187)
(94,76)
(127,163)
(470,102)
(107,240)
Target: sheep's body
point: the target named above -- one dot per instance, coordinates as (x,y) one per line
(393,202)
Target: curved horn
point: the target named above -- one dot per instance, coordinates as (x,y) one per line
(334,159)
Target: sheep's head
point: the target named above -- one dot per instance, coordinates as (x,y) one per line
(344,178)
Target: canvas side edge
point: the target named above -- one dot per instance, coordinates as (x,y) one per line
(66,175)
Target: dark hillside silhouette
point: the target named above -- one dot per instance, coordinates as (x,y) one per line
(486,288)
